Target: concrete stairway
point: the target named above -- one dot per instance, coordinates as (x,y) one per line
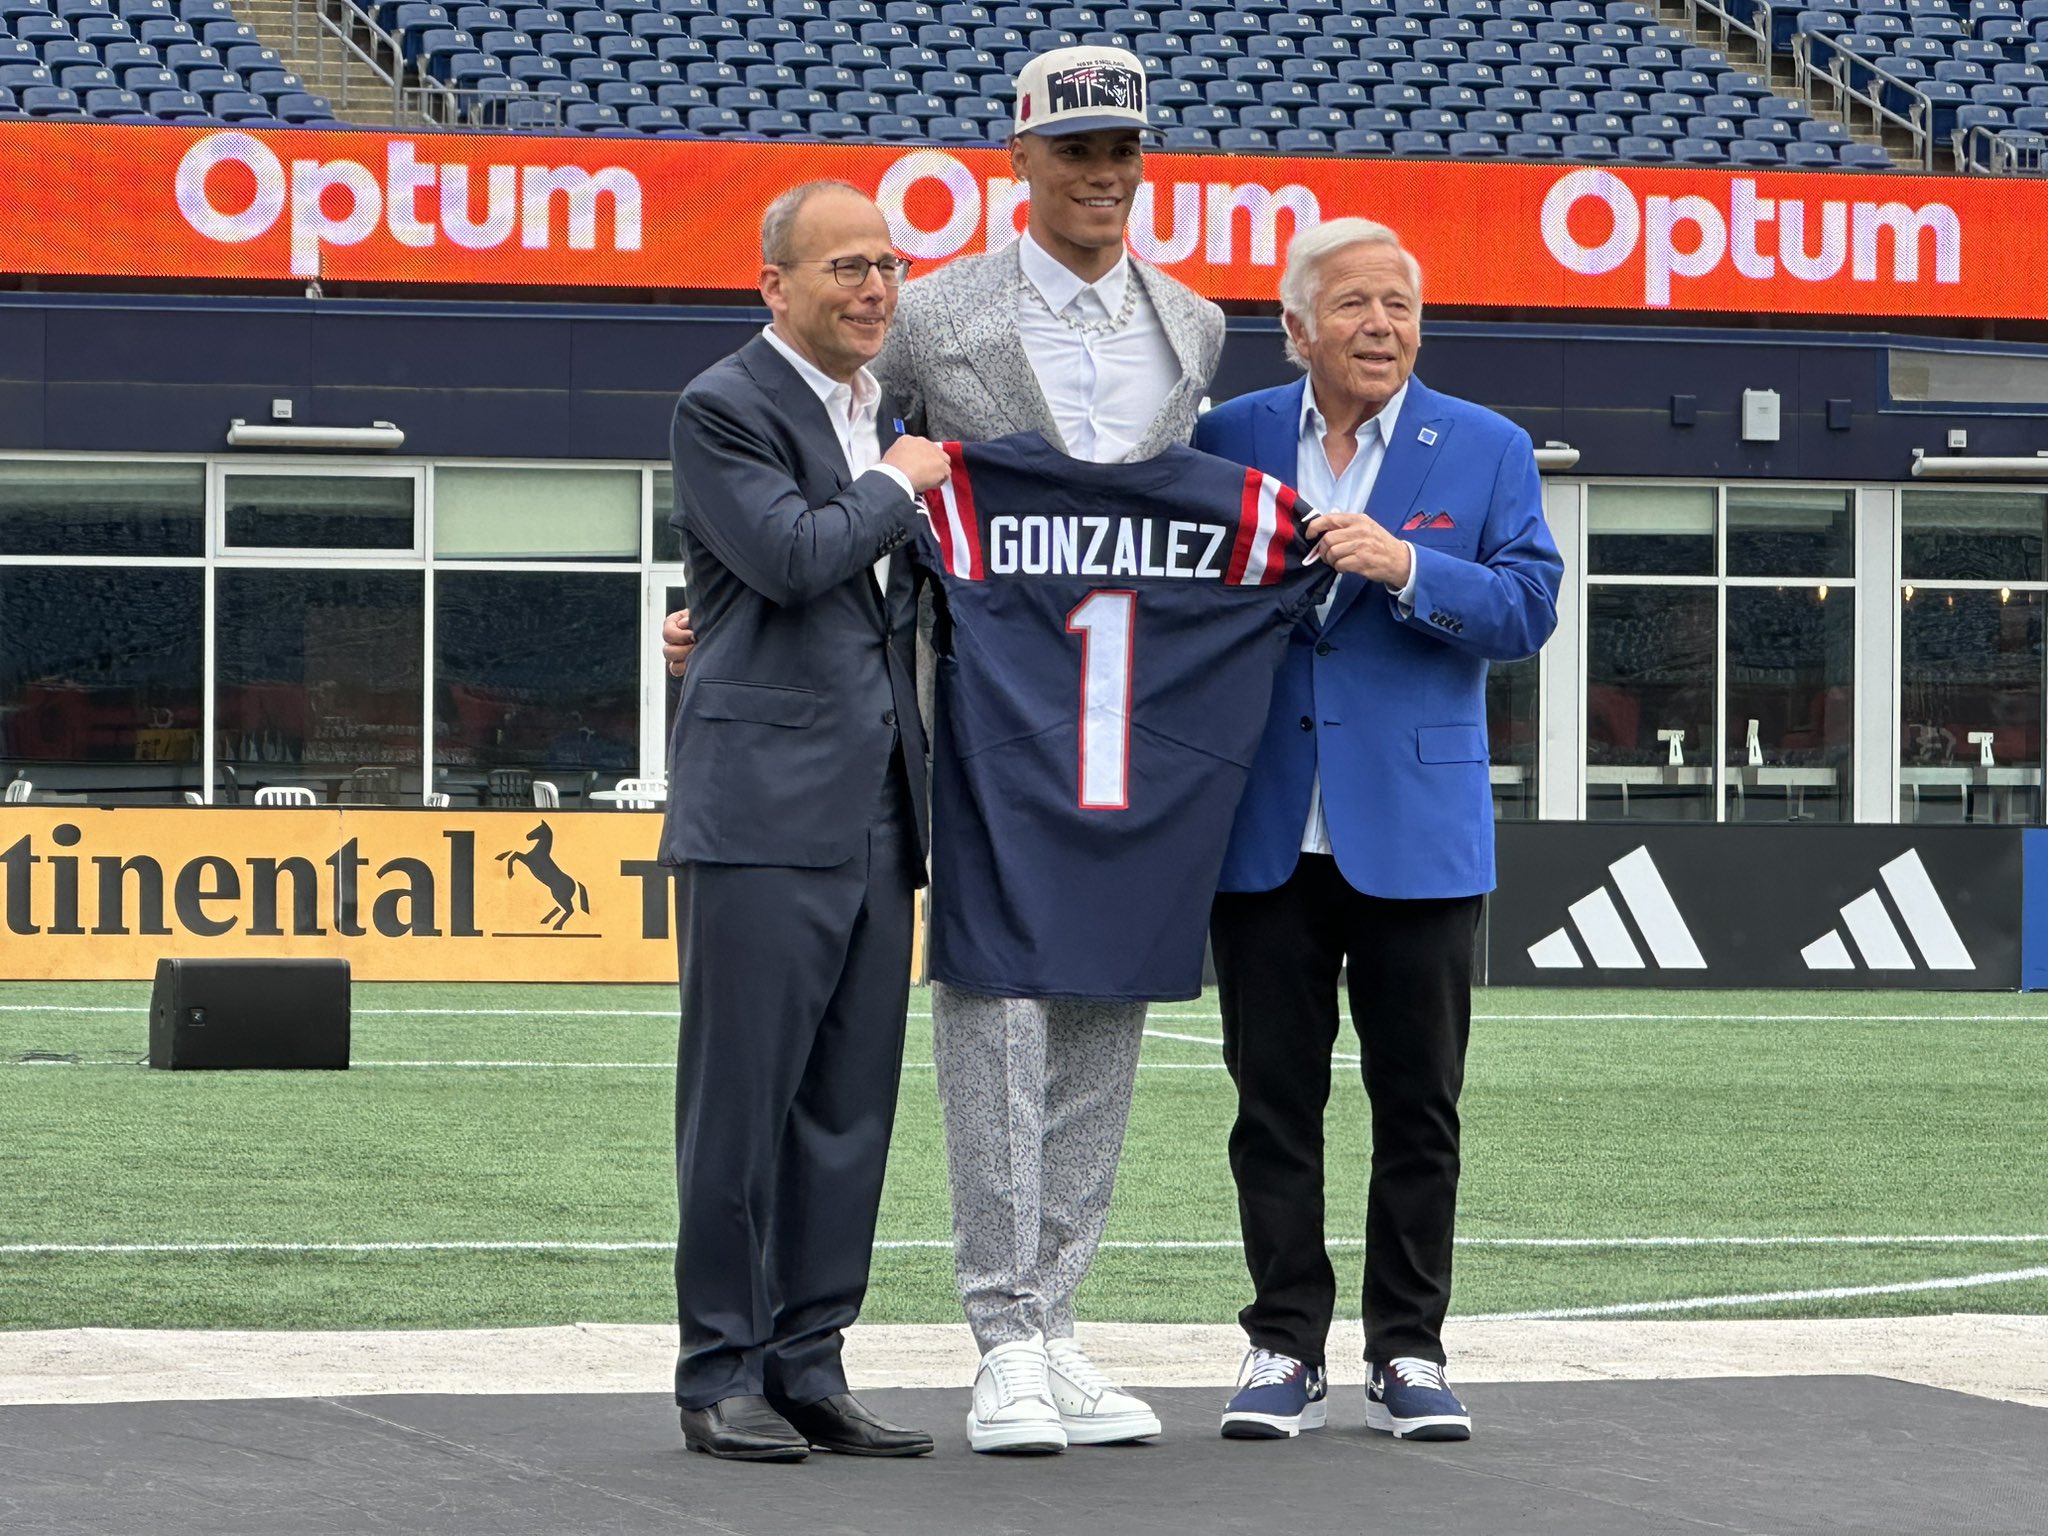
(350,86)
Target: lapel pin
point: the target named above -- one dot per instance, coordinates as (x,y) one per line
(898,425)
(1428,436)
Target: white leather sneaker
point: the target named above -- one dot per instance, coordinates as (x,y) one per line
(1093,1409)
(1013,1406)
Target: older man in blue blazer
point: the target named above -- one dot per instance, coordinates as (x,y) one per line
(1366,833)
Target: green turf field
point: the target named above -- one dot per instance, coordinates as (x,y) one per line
(533,1123)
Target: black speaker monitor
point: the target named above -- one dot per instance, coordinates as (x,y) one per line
(249,1013)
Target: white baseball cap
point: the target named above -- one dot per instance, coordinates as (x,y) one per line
(1078,90)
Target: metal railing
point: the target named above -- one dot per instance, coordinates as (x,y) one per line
(330,36)
(1730,24)
(335,34)
(1991,150)
(1834,69)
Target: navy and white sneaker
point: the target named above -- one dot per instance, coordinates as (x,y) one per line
(1277,1397)
(1409,1399)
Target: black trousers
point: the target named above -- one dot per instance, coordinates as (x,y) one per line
(1278,957)
(794,986)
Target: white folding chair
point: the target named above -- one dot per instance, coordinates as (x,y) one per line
(436,799)
(546,796)
(193,797)
(286,794)
(18,791)
(648,794)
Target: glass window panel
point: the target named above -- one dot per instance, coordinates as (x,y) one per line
(50,508)
(1791,664)
(537,514)
(1511,729)
(320,512)
(1970,664)
(536,676)
(100,679)
(318,675)
(1650,530)
(1958,535)
(1649,669)
(1774,532)
(668,545)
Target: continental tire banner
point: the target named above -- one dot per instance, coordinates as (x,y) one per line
(403,895)
(453,208)
(1612,904)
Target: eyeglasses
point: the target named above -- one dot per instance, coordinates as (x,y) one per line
(852,271)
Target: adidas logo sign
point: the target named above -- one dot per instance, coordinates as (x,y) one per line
(1877,936)
(1606,936)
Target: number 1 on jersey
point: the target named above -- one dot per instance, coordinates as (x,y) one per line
(1106,622)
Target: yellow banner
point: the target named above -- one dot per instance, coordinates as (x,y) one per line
(101,894)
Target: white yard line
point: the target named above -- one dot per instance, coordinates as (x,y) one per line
(1170,1245)
(1767,1298)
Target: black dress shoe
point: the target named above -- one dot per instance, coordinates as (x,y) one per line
(742,1429)
(839,1423)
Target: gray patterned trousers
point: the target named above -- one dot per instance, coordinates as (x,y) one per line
(1035,1094)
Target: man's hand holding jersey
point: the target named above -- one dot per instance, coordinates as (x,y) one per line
(1353,542)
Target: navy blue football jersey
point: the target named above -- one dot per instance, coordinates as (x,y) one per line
(1107,647)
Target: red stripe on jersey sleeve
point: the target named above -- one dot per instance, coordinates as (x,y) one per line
(1284,502)
(942,525)
(1247,528)
(963,501)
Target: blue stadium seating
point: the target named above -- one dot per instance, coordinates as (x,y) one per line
(1534,79)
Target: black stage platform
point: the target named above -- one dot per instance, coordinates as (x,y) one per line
(1780,1456)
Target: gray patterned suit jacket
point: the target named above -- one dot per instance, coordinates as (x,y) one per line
(954,359)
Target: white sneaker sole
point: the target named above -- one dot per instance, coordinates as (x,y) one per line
(1274,1426)
(1110,1429)
(1040,1437)
(1443,1426)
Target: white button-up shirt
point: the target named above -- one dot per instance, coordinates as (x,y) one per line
(1326,491)
(1105,387)
(852,409)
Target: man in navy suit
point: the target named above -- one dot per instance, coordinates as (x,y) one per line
(798,838)
(1366,834)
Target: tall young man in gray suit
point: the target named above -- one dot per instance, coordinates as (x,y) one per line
(1061,333)
(798,836)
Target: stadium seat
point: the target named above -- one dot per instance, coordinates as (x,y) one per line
(1469,145)
(1586,146)
(49,101)
(172,105)
(1863,157)
(114,103)
(1809,155)
(1415,142)
(1532,146)
(1360,141)
(1753,152)
(1243,140)
(238,107)
(86,77)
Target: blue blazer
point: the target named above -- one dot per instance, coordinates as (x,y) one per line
(1393,708)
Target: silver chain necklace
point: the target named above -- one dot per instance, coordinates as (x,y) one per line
(1114,323)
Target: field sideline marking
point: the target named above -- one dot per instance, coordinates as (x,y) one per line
(578,1066)
(1163,1017)
(632,1245)
(1765,1298)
